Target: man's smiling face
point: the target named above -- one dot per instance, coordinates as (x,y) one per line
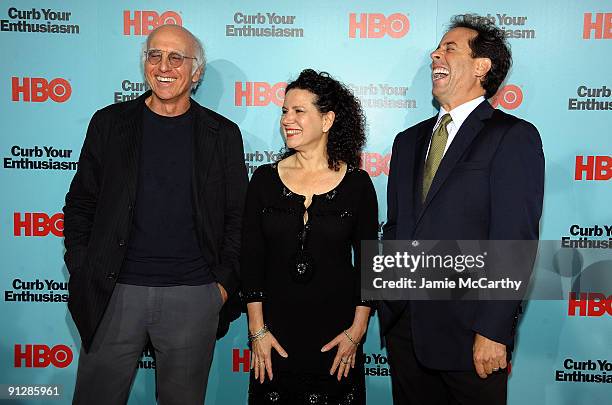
(455,74)
(171,85)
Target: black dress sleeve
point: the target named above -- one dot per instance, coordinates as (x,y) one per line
(253,252)
(366,228)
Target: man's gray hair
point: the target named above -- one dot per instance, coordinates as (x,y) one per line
(198,49)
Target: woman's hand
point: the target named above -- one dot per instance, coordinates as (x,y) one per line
(261,356)
(345,356)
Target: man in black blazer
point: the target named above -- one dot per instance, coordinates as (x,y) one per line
(482,179)
(152,231)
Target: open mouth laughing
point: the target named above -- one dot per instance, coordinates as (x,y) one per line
(439,72)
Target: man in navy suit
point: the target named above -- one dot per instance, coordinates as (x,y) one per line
(481,179)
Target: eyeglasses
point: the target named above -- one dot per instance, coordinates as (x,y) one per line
(175,59)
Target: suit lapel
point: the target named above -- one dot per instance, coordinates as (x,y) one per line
(130,132)
(205,135)
(468,131)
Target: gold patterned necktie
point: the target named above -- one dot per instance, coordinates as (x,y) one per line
(436,151)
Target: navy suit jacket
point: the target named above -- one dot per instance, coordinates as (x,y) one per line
(489,186)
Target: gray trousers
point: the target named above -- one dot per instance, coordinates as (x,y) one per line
(181,322)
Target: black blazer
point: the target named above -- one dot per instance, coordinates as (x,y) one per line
(99,206)
(489,186)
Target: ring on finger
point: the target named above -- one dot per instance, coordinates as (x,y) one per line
(344,361)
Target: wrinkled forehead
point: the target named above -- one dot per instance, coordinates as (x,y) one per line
(171,37)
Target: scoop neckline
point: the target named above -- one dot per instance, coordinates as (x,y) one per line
(329,194)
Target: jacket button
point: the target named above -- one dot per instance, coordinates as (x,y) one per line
(130,207)
(111,276)
(121,243)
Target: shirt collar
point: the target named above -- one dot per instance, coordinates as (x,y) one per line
(460,113)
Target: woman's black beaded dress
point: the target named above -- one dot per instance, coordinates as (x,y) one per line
(305,278)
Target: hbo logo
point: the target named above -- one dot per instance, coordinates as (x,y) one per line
(39,356)
(38,224)
(143,22)
(376,25)
(259,94)
(38,90)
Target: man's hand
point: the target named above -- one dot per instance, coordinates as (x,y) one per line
(489,356)
(223,292)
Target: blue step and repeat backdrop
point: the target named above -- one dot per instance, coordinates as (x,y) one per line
(63,60)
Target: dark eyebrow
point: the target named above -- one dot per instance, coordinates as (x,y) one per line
(293,107)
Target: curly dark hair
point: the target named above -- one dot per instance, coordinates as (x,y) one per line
(489,42)
(346,138)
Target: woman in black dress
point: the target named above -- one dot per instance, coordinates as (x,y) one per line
(305,217)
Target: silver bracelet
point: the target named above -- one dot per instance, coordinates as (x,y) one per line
(253,337)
